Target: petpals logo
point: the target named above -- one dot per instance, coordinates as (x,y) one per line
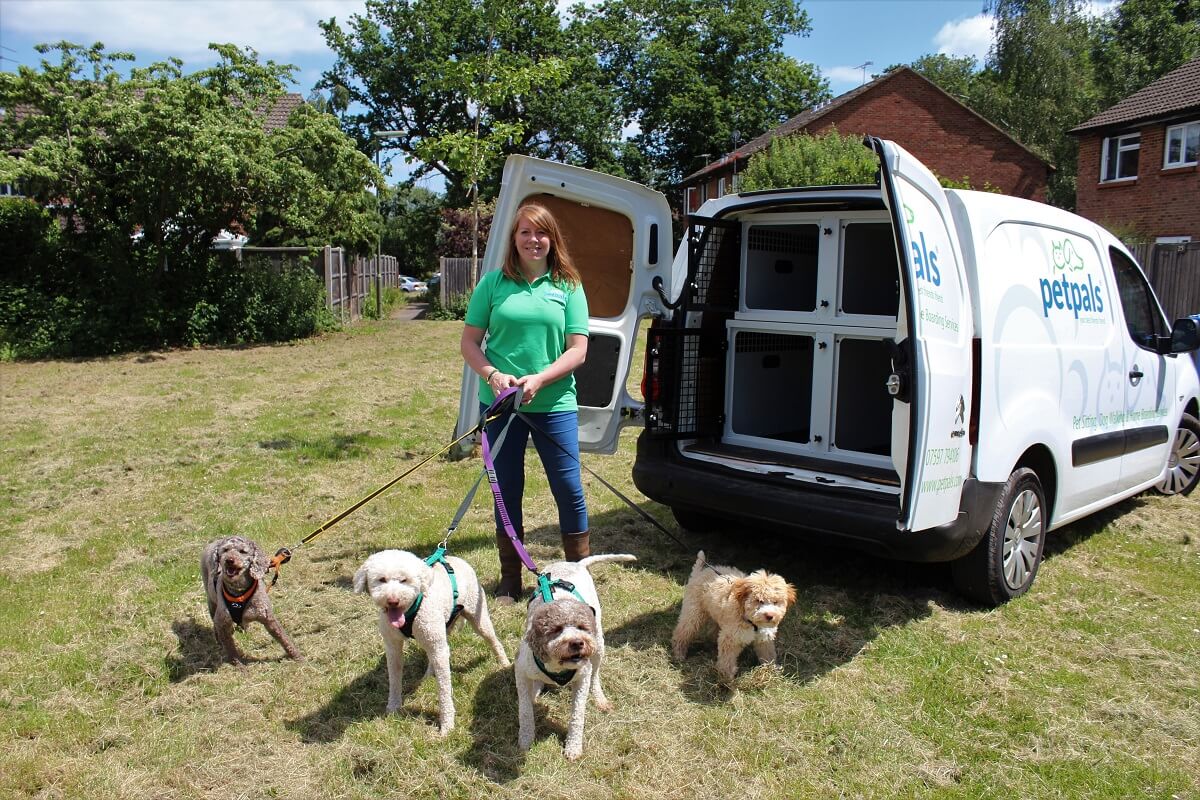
(1062,294)
(924,257)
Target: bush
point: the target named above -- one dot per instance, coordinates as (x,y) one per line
(393,298)
(804,160)
(456,308)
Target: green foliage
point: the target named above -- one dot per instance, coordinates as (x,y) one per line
(965,183)
(1141,40)
(804,160)
(686,73)
(144,172)
(455,307)
(393,298)
(423,68)
(691,73)
(412,221)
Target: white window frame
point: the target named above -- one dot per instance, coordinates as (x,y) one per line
(10,190)
(735,184)
(1183,131)
(1123,145)
(688,205)
(1173,240)
(720,187)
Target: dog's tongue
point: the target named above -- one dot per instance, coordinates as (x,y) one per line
(395,617)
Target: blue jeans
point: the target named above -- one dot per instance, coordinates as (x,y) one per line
(562,468)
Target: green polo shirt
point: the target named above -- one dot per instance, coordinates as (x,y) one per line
(527,326)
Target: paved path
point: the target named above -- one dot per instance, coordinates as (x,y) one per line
(410,311)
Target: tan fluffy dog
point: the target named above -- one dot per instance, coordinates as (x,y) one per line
(747,609)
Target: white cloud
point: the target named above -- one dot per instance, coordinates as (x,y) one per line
(851,75)
(277,29)
(965,37)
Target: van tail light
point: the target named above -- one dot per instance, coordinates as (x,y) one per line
(976,392)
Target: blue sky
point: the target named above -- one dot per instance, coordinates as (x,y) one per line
(845,33)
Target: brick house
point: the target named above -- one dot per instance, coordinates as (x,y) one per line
(901,105)
(1138,161)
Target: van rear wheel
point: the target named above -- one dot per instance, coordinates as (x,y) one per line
(1183,464)
(1004,563)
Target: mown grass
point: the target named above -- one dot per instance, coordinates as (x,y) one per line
(115,472)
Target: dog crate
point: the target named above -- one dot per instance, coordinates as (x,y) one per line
(832,269)
(809,391)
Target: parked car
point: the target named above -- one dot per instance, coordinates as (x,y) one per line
(921,373)
(411,284)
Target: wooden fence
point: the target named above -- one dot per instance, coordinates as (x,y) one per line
(348,280)
(1174,272)
(457,277)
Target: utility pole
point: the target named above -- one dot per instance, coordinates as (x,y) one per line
(381,136)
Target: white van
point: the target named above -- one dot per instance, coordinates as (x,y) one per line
(926,374)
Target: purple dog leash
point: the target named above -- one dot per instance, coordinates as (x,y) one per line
(489,467)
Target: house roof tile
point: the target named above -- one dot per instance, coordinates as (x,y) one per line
(1177,91)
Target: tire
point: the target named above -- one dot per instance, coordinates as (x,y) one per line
(1005,562)
(695,521)
(1183,464)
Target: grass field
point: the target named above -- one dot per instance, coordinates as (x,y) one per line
(115,472)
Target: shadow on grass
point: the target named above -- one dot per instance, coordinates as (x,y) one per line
(494,751)
(198,650)
(363,698)
(1062,540)
(334,447)
(845,599)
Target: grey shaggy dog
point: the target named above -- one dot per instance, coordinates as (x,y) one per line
(232,570)
(567,636)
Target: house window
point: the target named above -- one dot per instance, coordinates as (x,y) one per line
(1183,145)
(689,200)
(9,190)
(735,185)
(1121,157)
(721,187)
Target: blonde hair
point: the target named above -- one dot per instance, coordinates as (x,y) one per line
(562,268)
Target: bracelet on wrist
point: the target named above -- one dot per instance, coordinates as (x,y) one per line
(488,378)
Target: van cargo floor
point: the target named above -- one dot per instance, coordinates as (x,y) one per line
(884,477)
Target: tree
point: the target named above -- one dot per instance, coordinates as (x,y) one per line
(424,68)
(412,223)
(957,76)
(1040,81)
(1142,40)
(805,160)
(145,172)
(691,74)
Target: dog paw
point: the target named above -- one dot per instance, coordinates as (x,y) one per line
(394,708)
(444,730)
(525,742)
(604,705)
(573,753)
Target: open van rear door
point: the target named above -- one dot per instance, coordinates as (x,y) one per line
(619,235)
(932,366)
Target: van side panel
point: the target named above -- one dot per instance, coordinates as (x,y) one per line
(1052,362)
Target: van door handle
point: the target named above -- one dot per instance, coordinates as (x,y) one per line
(1135,376)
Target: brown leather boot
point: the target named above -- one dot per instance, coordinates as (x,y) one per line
(509,587)
(576,546)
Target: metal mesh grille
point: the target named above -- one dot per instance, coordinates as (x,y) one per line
(690,376)
(776,239)
(714,256)
(756,342)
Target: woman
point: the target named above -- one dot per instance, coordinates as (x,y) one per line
(535,316)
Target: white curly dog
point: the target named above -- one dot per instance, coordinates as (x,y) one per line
(417,601)
(563,646)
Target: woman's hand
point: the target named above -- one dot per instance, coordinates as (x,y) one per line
(530,386)
(499,381)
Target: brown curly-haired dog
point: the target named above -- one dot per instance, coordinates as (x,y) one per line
(232,570)
(747,609)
